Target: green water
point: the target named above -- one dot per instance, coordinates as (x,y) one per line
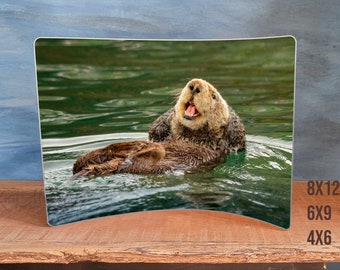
(95,92)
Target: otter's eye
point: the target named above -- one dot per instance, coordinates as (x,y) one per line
(213,96)
(197,90)
(191,87)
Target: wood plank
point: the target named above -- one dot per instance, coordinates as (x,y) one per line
(157,266)
(176,236)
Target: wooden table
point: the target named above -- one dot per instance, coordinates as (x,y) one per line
(182,237)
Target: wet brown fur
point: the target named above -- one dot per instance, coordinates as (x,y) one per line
(175,142)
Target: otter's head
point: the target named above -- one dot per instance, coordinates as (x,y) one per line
(199,104)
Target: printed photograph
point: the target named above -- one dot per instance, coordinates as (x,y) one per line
(144,125)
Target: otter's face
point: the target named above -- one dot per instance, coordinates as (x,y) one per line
(200,103)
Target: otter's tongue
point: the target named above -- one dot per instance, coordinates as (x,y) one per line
(191,110)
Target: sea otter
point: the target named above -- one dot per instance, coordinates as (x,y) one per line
(196,134)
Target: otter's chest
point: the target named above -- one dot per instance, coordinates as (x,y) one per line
(203,136)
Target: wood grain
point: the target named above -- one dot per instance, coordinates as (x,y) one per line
(179,236)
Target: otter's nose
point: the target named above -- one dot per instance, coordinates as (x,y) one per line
(194,89)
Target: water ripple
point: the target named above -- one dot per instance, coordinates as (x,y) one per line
(246,184)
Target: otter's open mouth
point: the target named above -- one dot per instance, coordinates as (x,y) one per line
(191,111)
